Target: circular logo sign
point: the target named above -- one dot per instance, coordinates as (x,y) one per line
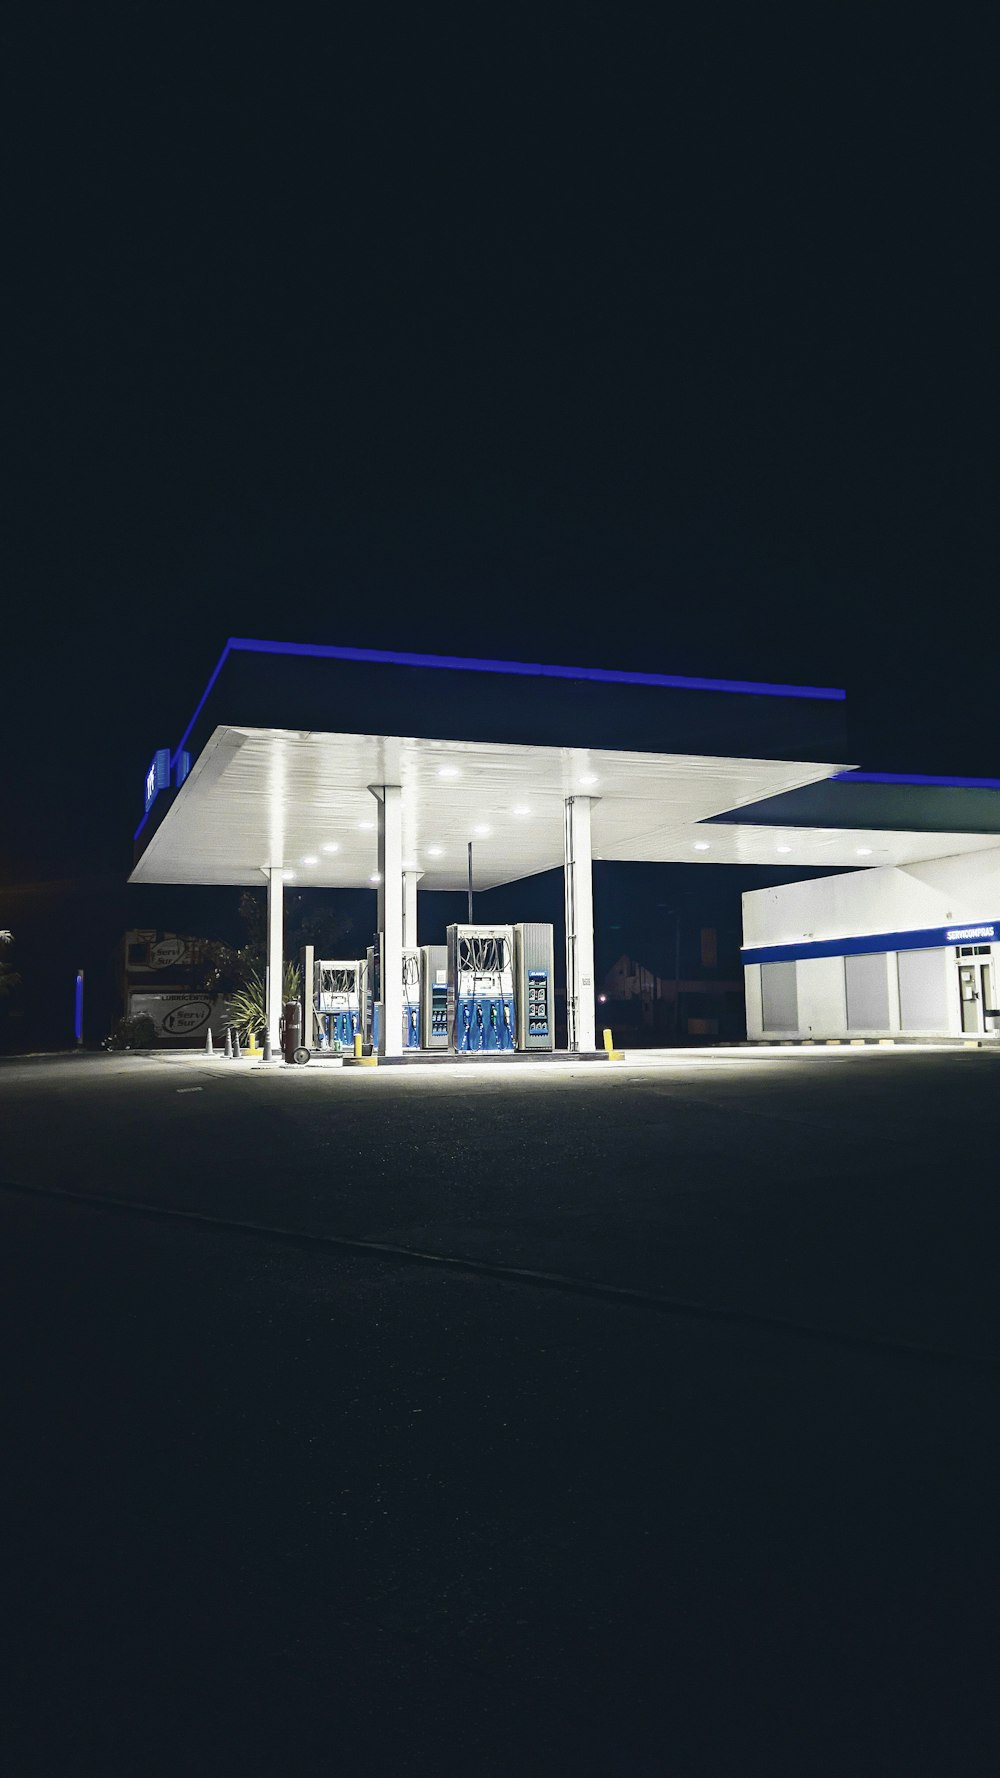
(168,952)
(182,1020)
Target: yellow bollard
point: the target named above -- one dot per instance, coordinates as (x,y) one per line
(612,1054)
(357,1046)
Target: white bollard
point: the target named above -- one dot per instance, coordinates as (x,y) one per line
(209,1046)
(229,1042)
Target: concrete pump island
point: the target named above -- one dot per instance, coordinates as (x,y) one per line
(335,767)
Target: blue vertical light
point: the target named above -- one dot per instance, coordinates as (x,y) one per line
(78,1008)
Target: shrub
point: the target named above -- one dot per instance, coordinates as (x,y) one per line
(135,1031)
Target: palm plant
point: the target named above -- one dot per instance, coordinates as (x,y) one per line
(246,1004)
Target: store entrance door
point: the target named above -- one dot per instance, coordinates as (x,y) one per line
(975,987)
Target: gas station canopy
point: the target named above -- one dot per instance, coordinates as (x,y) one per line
(489,751)
(260,797)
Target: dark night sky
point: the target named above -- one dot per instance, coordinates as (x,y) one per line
(625,342)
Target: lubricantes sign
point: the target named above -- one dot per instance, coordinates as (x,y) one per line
(181,1018)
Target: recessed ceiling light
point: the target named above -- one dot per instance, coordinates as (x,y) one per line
(434,851)
(288,873)
(864,851)
(310,858)
(782,848)
(447,771)
(331,846)
(588,778)
(701,845)
(366,826)
(376,877)
(521,810)
(482,830)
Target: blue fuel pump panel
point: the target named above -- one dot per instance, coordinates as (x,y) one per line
(481,989)
(337,1002)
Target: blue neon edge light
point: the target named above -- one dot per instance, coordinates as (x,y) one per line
(523,669)
(923,778)
(925,938)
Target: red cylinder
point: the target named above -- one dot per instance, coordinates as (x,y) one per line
(291,1029)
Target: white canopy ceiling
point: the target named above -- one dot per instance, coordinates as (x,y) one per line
(260,797)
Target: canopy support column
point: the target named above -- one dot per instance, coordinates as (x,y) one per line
(275,970)
(578,878)
(390,916)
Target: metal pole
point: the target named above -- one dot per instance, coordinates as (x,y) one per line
(470,882)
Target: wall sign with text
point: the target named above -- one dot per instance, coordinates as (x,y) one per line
(924,938)
(158,776)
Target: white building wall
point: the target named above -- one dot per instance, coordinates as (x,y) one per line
(894,898)
(890,898)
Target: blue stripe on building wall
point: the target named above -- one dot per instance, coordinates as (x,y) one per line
(926,938)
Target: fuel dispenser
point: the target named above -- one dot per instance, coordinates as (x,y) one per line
(411,998)
(336,1002)
(480,988)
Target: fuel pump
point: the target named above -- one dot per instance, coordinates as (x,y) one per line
(480,988)
(411,999)
(337,1002)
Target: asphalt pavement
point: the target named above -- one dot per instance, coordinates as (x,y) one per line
(675,1454)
